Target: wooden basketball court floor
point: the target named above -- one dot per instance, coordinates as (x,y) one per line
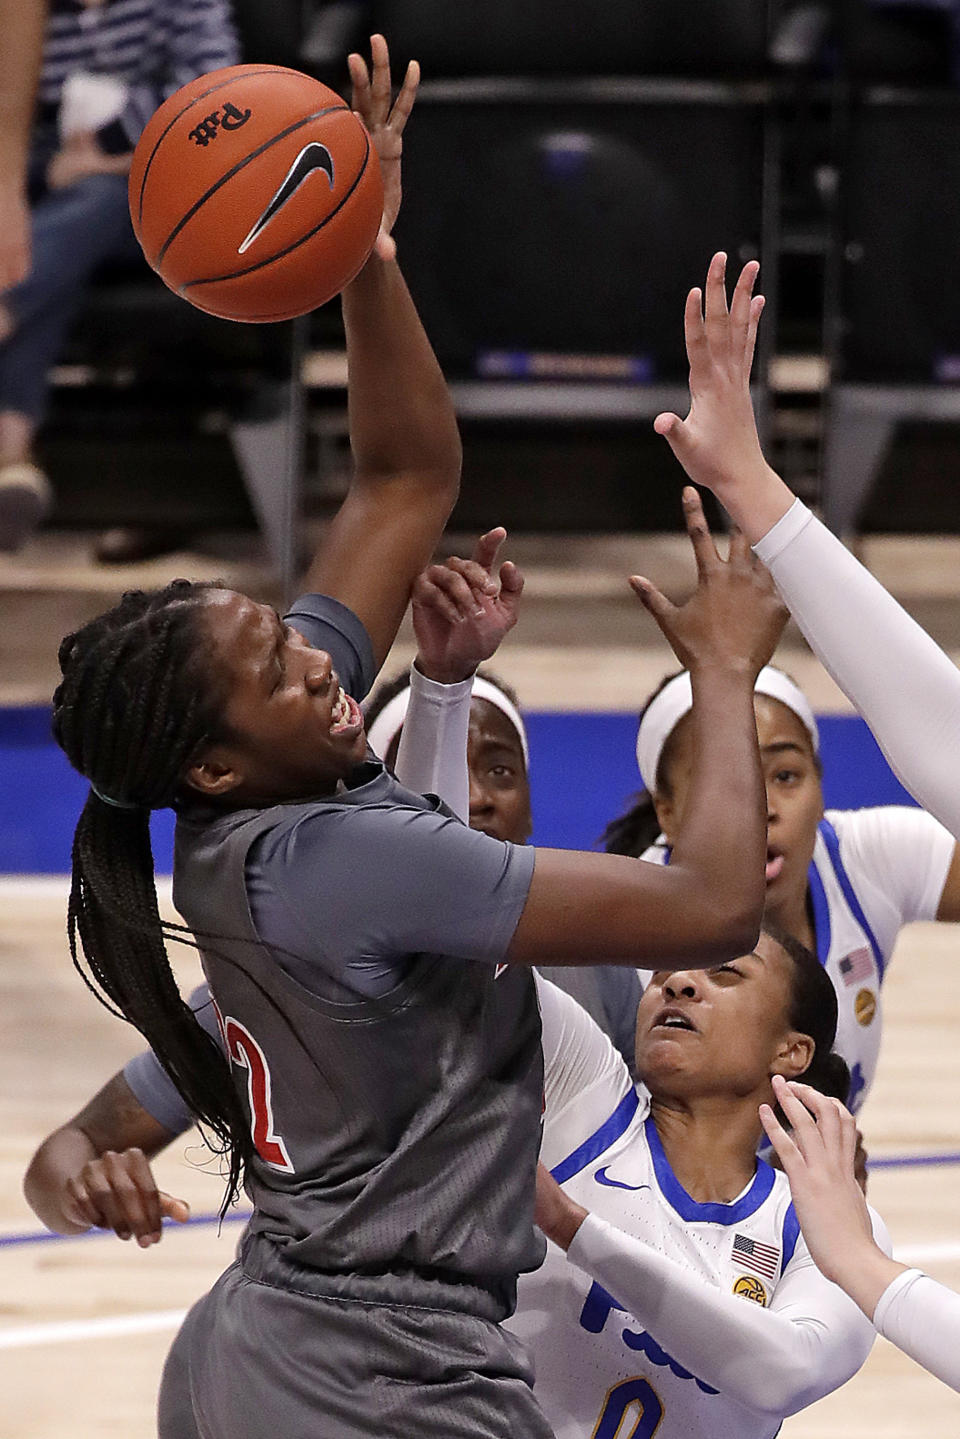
(85,1323)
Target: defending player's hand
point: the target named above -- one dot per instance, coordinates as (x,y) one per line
(734,617)
(372,95)
(463,609)
(717,444)
(117,1191)
(819,1158)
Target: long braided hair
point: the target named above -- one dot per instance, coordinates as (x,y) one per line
(134,709)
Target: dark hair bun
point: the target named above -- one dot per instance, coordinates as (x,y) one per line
(829,1074)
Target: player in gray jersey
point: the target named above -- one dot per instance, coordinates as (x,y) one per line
(380,1095)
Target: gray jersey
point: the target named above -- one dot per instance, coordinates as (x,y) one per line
(396,1132)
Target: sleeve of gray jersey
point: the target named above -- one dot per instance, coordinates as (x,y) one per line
(386,881)
(150,1083)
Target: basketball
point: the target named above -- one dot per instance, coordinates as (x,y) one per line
(255,193)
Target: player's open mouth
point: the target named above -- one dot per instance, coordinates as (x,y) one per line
(774,866)
(346,718)
(673,1019)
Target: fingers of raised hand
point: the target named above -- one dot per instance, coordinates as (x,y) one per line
(478,577)
(487,548)
(704,549)
(741,306)
(442,589)
(360,85)
(380,85)
(659,606)
(694,334)
(750,344)
(716,315)
(784,1147)
(800,1119)
(404,102)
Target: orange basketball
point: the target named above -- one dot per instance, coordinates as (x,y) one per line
(255,193)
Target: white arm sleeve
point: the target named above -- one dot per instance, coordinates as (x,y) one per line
(776,1361)
(922,1318)
(902,683)
(432,758)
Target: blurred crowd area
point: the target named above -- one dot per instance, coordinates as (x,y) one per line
(568,172)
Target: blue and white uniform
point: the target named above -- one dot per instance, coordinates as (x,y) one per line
(688,1320)
(873,871)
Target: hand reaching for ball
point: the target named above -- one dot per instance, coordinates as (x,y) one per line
(371,99)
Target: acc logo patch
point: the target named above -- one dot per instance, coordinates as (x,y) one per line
(865,1006)
(749,1287)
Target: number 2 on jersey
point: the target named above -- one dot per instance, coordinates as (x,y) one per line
(244,1050)
(631,1399)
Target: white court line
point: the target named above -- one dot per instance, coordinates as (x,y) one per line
(67,1332)
(35,1335)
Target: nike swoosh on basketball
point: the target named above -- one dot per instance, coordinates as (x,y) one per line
(312,157)
(601,1178)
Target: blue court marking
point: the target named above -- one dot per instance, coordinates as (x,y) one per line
(913,1161)
(43,1236)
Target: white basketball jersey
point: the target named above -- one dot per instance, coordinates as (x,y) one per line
(599,1374)
(873,871)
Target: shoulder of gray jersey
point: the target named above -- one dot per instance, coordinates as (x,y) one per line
(329,625)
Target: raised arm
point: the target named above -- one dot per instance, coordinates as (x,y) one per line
(706,905)
(461,611)
(22,26)
(902,683)
(909,1308)
(403,430)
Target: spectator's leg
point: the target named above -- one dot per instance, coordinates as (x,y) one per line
(74,231)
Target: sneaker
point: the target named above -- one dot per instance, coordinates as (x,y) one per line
(25,499)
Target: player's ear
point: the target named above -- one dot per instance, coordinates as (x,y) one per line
(215,774)
(794,1055)
(666,815)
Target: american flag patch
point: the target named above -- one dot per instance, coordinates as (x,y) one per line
(857,966)
(763,1258)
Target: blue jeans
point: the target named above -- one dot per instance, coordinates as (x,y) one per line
(75,230)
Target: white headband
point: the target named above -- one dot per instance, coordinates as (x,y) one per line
(663,714)
(389,722)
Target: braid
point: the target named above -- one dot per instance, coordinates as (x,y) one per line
(131,713)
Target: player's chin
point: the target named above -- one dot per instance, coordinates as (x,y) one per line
(665,1056)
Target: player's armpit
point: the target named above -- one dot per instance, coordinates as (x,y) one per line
(597,908)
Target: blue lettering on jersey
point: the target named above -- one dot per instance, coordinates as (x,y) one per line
(857,1086)
(593,1316)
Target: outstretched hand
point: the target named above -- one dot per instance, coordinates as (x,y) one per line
(462,610)
(371,99)
(717,444)
(734,617)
